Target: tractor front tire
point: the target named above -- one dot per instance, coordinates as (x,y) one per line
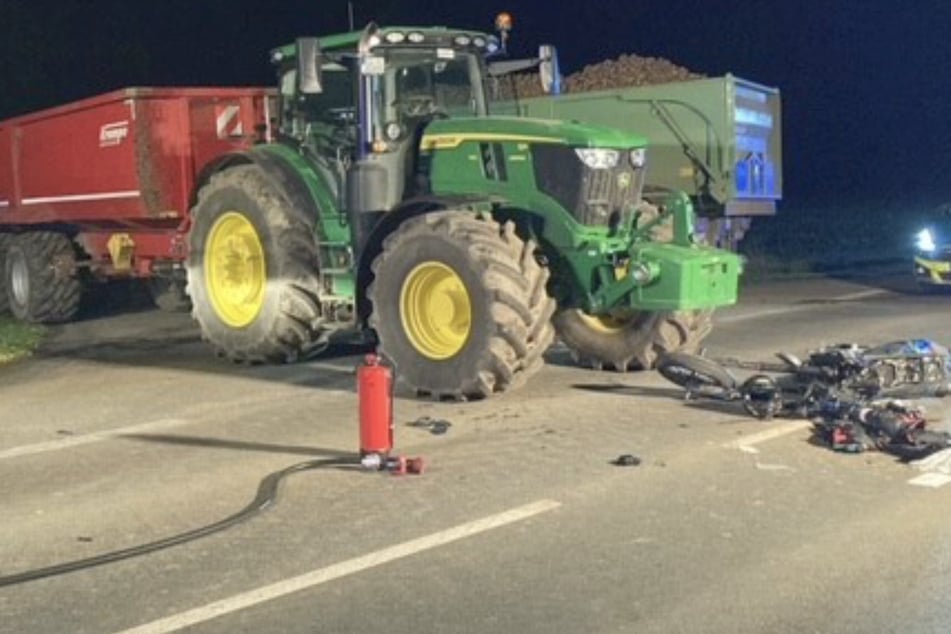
(253,271)
(631,342)
(460,305)
(39,275)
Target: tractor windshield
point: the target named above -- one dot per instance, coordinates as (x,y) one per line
(425,83)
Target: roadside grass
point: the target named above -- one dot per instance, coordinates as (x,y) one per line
(18,340)
(816,240)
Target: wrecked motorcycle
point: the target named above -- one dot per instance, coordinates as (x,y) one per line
(847,390)
(911,368)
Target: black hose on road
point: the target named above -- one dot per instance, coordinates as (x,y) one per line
(266,496)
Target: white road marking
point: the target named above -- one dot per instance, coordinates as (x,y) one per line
(69,442)
(848,297)
(938,462)
(342,569)
(769,312)
(763,466)
(937,470)
(931,480)
(746,444)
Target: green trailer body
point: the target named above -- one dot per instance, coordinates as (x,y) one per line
(718,139)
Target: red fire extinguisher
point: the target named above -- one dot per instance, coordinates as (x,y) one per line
(375,392)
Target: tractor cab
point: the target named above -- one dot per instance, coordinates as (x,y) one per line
(359,102)
(367,96)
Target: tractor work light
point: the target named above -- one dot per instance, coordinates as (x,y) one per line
(416,37)
(925,241)
(638,157)
(598,158)
(396,37)
(394,131)
(642,273)
(462,40)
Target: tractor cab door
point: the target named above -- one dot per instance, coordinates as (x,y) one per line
(323,124)
(412,88)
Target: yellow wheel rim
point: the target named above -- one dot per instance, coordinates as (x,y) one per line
(604,324)
(435,310)
(235,270)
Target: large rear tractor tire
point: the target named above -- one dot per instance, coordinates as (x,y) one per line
(253,271)
(631,342)
(460,305)
(39,275)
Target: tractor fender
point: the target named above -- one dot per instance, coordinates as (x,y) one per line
(389,222)
(285,177)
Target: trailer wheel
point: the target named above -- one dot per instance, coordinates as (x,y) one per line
(460,306)
(169,294)
(253,270)
(4,300)
(39,274)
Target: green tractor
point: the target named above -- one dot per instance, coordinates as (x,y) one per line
(391,200)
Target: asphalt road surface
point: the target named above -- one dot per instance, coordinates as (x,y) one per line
(125,430)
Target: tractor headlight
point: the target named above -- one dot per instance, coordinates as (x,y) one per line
(925,241)
(598,158)
(638,157)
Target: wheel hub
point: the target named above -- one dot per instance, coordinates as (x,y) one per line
(605,324)
(235,269)
(19,278)
(435,310)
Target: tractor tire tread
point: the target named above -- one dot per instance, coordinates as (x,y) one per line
(298,330)
(520,311)
(55,290)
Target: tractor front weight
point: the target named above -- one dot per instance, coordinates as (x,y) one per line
(664,275)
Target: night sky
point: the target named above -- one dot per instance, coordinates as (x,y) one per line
(866,91)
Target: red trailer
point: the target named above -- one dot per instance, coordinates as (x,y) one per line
(104,186)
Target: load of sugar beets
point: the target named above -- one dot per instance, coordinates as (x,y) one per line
(626,70)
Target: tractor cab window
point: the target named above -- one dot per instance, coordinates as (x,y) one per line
(329,118)
(421,84)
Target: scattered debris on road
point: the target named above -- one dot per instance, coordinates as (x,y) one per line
(894,426)
(627,460)
(850,392)
(435,426)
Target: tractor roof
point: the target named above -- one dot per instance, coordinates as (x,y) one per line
(431,36)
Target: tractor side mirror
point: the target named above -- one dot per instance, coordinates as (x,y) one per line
(309,62)
(548,70)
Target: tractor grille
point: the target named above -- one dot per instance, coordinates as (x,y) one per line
(604,197)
